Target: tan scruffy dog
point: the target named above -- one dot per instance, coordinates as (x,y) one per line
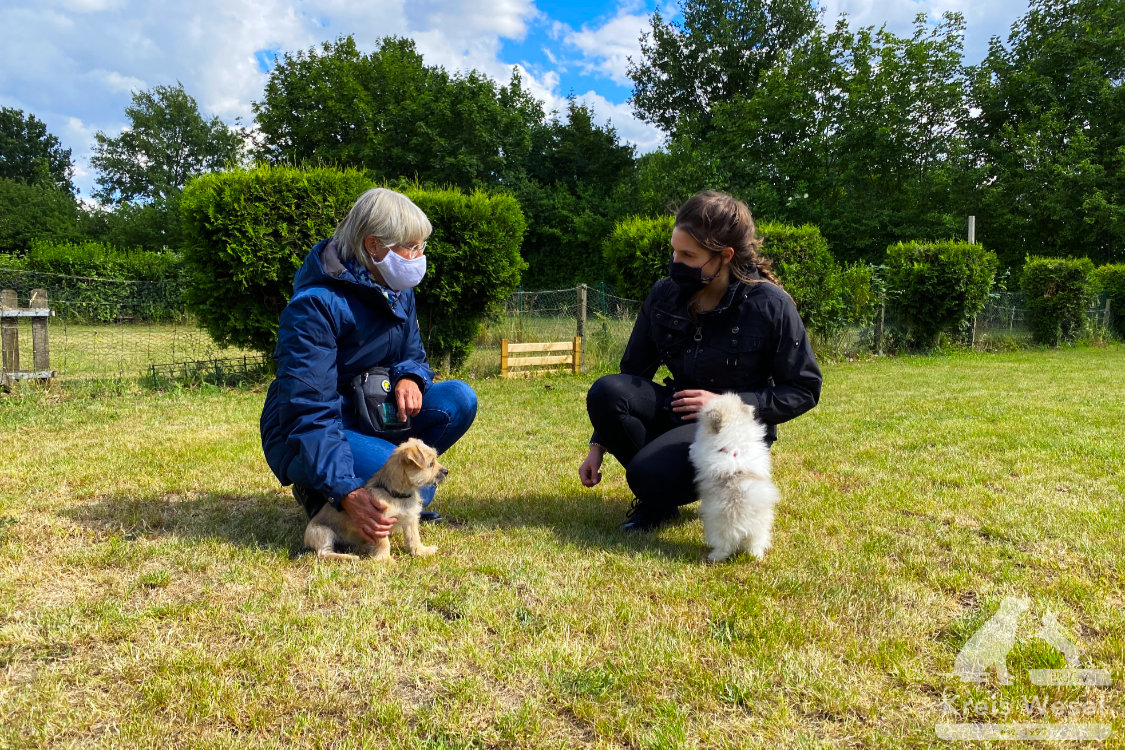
(412,465)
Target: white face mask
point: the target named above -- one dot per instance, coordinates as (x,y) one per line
(400,273)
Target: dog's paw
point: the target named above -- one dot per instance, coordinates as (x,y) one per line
(330,555)
(424,551)
(717,556)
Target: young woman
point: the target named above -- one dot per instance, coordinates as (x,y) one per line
(721,323)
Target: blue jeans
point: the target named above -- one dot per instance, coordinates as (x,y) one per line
(448,410)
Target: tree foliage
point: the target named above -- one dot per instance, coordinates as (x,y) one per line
(577,187)
(394,116)
(31,212)
(31,155)
(166,142)
(856,131)
(1051,133)
(719,52)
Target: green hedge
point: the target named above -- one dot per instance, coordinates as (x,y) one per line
(90,282)
(938,286)
(1058,291)
(247,232)
(638,251)
(474,266)
(807,270)
(1111,280)
(102,261)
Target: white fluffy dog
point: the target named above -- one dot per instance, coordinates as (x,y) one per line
(732,475)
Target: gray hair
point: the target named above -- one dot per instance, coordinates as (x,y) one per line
(389,216)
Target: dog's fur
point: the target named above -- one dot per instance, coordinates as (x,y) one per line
(732,476)
(413,465)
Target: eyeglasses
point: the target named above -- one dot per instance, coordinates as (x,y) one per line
(411,252)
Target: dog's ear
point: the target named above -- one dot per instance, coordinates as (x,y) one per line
(412,452)
(714,419)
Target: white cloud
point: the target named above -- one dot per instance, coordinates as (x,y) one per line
(607,48)
(642,135)
(983,20)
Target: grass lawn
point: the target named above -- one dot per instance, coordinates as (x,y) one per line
(153,592)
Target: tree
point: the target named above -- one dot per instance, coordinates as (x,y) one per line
(1050,136)
(166,142)
(578,185)
(718,52)
(31,155)
(856,131)
(389,113)
(31,212)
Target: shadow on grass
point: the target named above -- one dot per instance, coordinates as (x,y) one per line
(266,521)
(579,519)
(274,522)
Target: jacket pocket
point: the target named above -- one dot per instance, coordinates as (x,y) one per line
(670,333)
(733,361)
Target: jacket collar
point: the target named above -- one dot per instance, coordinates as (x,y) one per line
(323,265)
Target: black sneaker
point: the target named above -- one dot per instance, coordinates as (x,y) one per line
(430,516)
(311,500)
(642,517)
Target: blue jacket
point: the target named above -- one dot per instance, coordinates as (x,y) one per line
(333,328)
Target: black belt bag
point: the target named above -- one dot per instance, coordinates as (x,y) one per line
(371,396)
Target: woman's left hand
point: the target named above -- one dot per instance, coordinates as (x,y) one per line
(408,398)
(688,403)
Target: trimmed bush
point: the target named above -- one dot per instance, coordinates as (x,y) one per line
(938,286)
(101,261)
(859,294)
(1058,291)
(475,266)
(637,253)
(1111,280)
(807,270)
(91,282)
(247,233)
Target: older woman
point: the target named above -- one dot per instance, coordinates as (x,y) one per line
(352,310)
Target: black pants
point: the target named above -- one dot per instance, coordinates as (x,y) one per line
(634,422)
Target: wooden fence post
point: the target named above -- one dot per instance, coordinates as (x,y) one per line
(879,322)
(577,354)
(504,358)
(1107,319)
(581,323)
(9,334)
(40,346)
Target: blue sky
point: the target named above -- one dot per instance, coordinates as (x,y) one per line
(74,63)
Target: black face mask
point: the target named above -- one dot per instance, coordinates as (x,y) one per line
(688,278)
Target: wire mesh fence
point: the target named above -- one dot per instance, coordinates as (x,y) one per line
(113,330)
(120,330)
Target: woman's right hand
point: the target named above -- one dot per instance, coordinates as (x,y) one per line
(368,513)
(590,470)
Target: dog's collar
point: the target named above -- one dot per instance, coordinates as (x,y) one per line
(400,496)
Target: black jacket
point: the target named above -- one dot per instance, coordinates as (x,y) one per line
(753,343)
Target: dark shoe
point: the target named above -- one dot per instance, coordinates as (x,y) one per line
(642,517)
(311,500)
(429,516)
